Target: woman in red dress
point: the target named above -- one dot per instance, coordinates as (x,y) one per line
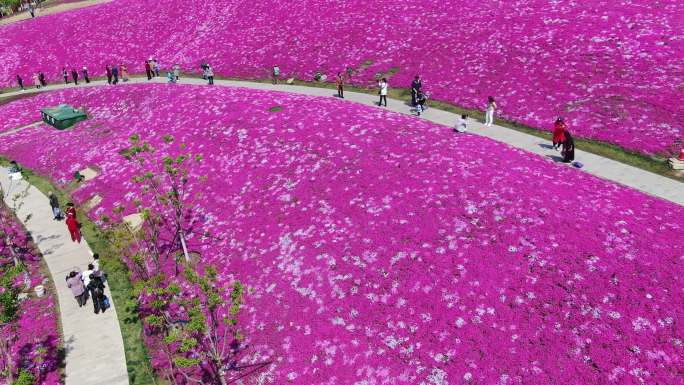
(559,129)
(72,223)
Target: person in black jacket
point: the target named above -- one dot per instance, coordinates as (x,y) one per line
(54,203)
(96,288)
(568,151)
(20,82)
(74,75)
(41,79)
(416,86)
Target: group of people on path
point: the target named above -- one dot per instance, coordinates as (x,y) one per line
(89,284)
(69,215)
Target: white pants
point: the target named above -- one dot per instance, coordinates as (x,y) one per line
(489,117)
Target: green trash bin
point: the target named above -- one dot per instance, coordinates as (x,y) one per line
(62,116)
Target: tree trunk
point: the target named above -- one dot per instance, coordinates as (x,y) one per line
(184,245)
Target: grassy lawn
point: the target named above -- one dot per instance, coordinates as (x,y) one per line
(137,359)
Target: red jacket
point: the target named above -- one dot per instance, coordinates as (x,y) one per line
(559,132)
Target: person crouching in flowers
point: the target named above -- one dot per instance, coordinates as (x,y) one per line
(559,129)
(170,77)
(72,223)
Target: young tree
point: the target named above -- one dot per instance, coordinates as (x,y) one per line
(169,218)
(196,328)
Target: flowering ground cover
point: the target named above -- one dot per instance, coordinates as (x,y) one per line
(36,349)
(380,249)
(614,69)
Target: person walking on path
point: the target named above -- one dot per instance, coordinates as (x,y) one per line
(156,67)
(41,78)
(65,75)
(32,10)
(115,74)
(559,129)
(176,72)
(96,288)
(148,70)
(276,74)
(85,276)
(74,75)
(489,113)
(54,204)
(78,289)
(209,73)
(416,86)
(36,80)
(340,85)
(109,74)
(124,73)
(20,82)
(84,71)
(568,148)
(383,91)
(72,223)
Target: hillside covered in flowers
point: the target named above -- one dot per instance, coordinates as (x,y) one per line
(614,69)
(381,249)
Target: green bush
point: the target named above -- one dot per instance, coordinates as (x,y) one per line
(24,378)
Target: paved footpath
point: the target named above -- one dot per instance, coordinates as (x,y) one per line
(647,182)
(93,343)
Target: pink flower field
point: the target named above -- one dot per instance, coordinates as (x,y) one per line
(381,249)
(37,347)
(614,69)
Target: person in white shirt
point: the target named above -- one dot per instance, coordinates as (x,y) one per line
(96,262)
(85,276)
(383,91)
(489,114)
(462,124)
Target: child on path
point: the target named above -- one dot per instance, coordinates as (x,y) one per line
(78,289)
(20,82)
(383,91)
(462,124)
(54,204)
(489,114)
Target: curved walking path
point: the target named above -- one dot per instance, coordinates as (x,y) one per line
(92,342)
(49,9)
(647,182)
